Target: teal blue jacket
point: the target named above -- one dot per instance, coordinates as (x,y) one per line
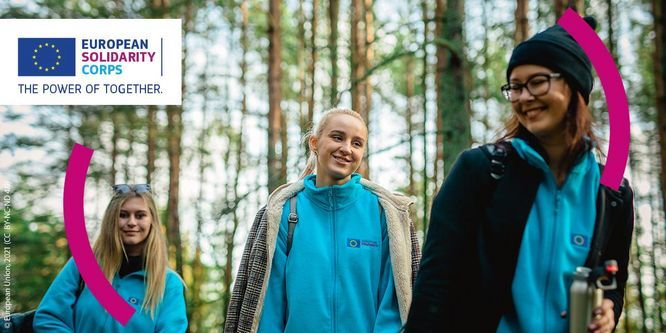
(60,311)
(338,275)
(556,240)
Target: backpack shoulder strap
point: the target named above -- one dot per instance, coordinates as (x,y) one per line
(293,219)
(602,227)
(498,154)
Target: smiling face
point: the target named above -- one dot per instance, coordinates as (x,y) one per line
(542,115)
(340,148)
(134,222)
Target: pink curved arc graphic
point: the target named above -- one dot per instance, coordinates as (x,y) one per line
(616,98)
(77,237)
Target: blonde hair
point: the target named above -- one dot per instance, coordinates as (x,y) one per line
(110,251)
(316,131)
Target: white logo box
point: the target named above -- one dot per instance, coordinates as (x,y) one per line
(131,76)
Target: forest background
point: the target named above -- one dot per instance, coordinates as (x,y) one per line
(424,74)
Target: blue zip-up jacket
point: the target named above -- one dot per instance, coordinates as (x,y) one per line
(338,275)
(556,240)
(60,311)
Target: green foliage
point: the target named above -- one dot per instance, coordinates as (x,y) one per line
(39,249)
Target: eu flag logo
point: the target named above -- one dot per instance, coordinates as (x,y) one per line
(579,240)
(46,57)
(353,243)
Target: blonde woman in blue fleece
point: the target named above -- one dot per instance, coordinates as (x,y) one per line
(131,250)
(353,256)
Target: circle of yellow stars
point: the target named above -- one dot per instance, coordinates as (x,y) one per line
(43,67)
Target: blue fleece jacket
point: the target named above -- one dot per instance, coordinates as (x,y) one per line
(556,240)
(338,275)
(60,311)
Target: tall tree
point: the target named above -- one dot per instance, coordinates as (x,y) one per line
(313,61)
(358,68)
(637,262)
(300,59)
(240,146)
(440,67)
(659,13)
(151,116)
(174,149)
(424,106)
(130,125)
(357,54)
(274,95)
(522,24)
(611,32)
(333,12)
(115,136)
(409,94)
(656,251)
(452,103)
(562,5)
(368,58)
(151,142)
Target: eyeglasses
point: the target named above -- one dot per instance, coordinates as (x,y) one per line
(537,85)
(126,188)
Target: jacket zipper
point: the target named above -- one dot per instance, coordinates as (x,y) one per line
(335,261)
(550,258)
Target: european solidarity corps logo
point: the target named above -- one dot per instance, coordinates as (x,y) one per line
(46,57)
(58,57)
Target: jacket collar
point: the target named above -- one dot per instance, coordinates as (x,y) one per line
(286,191)
(334,196)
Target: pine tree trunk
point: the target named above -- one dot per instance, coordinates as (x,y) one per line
(313,61)
(274,95)
(658,295)
(368,58)
(440,68)
(130,121)
(611,33)
(638,265)
(659,12)
(485,82)
(409,85)
(424,100)
(229,241)
(174,149)
(197,266)
(333,12)
(452,101)
(522,24)
(302,89)
(151,143)
(357,54)
(115,136)
(562,5)
(174,131)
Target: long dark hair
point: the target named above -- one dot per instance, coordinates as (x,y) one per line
(578,132)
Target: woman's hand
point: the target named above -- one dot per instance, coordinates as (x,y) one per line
(604,318)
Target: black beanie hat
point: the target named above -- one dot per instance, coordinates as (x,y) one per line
(555,49)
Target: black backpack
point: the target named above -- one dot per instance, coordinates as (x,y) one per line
(21,322)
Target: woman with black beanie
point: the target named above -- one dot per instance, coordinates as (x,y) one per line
(515,218)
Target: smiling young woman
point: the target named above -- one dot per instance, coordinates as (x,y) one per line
(354,255)
(515,218)
(131,251)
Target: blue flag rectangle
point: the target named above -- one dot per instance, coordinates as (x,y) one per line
(46,56)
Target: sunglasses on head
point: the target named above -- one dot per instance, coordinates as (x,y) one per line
(126,188)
